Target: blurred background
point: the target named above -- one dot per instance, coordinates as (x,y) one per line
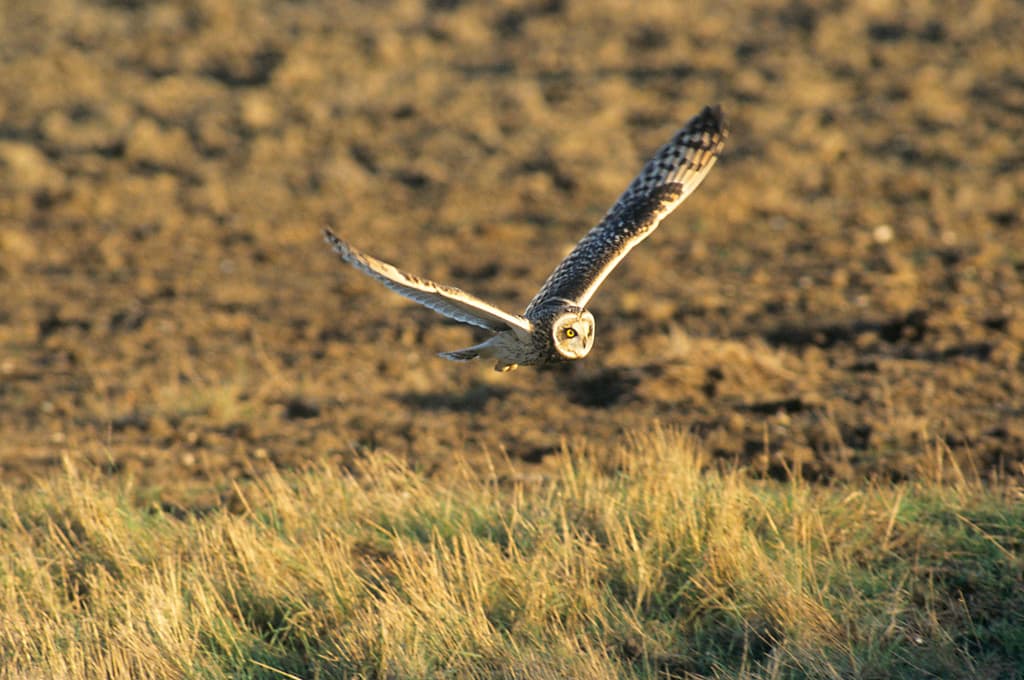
(843,295)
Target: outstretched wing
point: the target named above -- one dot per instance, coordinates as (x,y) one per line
(451,302)
(675,171)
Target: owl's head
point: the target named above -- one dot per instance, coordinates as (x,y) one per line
(573,333)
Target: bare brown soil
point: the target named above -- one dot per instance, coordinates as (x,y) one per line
(845,293)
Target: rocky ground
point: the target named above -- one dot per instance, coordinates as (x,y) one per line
(844,294)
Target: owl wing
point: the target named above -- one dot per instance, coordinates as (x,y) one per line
(446,300)
(675,171)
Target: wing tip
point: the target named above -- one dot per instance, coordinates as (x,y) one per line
(336,243)
(329,235)
(711,119)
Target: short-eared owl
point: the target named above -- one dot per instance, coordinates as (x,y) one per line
(556,325)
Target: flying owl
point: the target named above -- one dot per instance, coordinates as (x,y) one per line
(556,325)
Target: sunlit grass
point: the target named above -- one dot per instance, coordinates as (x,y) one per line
(632,562)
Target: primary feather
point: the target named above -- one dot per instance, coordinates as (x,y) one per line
(452,302)
(665,181)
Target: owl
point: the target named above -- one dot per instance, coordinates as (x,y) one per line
(556,325)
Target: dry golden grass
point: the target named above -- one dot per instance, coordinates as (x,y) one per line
(635,562)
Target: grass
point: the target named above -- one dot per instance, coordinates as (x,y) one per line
(638,562)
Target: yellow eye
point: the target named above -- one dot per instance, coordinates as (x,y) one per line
(570,333)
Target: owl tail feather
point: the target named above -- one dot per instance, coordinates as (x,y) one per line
(467,354)
(484,349)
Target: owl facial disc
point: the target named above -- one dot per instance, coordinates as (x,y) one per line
(573,333)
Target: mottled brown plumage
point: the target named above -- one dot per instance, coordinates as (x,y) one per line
(556,325)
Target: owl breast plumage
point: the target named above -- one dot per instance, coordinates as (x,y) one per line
(556,325)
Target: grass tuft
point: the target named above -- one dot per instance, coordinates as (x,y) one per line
(638,563)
